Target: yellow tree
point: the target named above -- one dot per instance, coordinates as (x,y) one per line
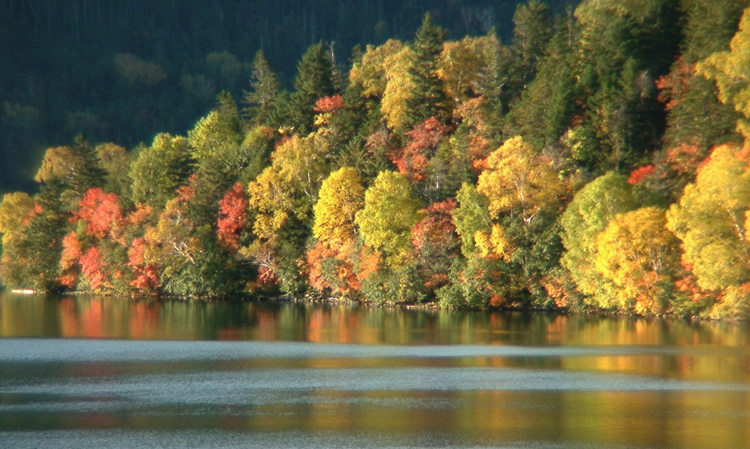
(15,211)
(711,219)
(341,197)
(372,71)
(397,89)
(641,257)
(289,186)
(462,64)
(519,182)
(585,217)
(731,71)
(390,211)
(332,261)
(524,194)
(282,197)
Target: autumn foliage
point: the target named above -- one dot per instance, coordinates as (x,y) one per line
(232,217)
(100,211)
(412,160)
(564,170)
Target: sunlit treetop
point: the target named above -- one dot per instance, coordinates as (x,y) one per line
(731,71)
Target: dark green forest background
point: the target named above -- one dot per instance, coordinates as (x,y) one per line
(61,74)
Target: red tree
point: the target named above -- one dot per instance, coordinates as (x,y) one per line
(423,141)
(69,259)
(435,242)
(232,217)
(145,276)
(92,270)
(100,211)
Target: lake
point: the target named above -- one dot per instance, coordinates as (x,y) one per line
(112,372)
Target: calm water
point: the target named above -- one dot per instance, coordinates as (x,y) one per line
(107,372)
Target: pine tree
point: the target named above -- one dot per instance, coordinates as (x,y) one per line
(531,33)
(315,79)
(265,91)
(428,98)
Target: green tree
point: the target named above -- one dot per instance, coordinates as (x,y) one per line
(315,79)
(219,129)
(545,108)
(695,116)
(160,169)
(265,89)
(388,215)
(624,46)
(471,217)
(115,162)
(531,32)
(585,217)
(428,97)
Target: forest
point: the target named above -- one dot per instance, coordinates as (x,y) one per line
(597,161)
(124,71)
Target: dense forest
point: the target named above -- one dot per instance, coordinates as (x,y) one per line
(124,71)
(597,160)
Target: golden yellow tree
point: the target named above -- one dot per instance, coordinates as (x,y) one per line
(524,198)
(398,88)
(289,186)
(15,211)
(519,182)
(341,197)
(372,69)
(592,208)
(388,215)
(731,71)
(462,64)
(711,219)
(640,256)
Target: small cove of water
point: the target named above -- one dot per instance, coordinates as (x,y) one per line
(109,372)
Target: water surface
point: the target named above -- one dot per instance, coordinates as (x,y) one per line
(110,372)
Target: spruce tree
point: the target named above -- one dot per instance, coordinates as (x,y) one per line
(428,98)
(265,91)
(531,33)
(315,79)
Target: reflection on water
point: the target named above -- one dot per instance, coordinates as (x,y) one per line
(180,374)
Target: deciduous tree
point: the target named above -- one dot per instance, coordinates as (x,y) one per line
(388,215)
(160,169)
(233,209)
(641,258)
(730,71)
(711,220)
(341,197)
(585,217)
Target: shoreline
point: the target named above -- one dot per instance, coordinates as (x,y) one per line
(429,306)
